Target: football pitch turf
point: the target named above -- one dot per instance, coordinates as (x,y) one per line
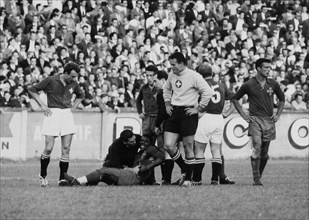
(283,196)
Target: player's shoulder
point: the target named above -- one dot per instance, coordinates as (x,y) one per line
(272,81)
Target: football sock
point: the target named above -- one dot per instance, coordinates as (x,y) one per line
(198,169)
(82,180)
(167,170)
(44,164)
(216,164)
(180,162)
(93,178)
(222,171)
(64,166)
(190,166)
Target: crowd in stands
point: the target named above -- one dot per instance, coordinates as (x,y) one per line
(114,41)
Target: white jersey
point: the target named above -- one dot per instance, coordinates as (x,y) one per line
(186,89)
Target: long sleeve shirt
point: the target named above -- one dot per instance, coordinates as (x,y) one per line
(184,90)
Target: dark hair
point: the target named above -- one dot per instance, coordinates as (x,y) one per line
(161,74)
(179,57)
(125,135)
(152,68)
(71,66)
(260,62)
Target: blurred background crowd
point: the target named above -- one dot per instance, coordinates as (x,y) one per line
(114,41)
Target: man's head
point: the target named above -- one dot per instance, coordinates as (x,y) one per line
(159,78)
(145,142)
(205,70)
(128,137)
(263,66)
(178,62)
(71,71)
(150,72)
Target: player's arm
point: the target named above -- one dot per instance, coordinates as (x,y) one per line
(34,92)
(228,95)
(158,156)
(238,95)
(79,97)
(167,95)
(139,105)
(205,92)
(280,95)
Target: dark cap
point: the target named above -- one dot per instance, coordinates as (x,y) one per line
(205,70)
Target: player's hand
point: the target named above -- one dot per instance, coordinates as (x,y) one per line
(142,169)
(156,131)
(47,111)
(141,116)
(169,109)
(247,118)
(191,111)
(275,117)
(136,169)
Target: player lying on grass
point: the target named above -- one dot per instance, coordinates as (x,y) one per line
(148,157)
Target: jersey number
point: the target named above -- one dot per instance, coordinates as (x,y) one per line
(216,97)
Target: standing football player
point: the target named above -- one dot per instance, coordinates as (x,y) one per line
(262,119)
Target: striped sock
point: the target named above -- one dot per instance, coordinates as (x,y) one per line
(216,166)
(64,166)
(180,162)
(198,169)
(44,164)
(190,166)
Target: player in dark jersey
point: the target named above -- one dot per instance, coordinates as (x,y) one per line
(210,129)
(167,166)
(58,120)
(260,90)
(146,159)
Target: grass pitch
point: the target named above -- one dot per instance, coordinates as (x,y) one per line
(283,196)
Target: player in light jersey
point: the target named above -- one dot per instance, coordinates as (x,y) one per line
(181,93)
(210,129)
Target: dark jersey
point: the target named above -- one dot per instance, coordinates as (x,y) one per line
(261,100)
(162,114)
(145,157)
(119,155)
(221,93)
(149,100)
(58,95)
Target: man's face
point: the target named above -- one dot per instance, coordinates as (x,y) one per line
(265,69)
(131,141)
(157,82)
(149,75)
(176,67)
(145,142)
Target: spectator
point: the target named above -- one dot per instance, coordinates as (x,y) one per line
(298,103)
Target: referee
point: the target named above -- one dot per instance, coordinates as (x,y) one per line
(58,120)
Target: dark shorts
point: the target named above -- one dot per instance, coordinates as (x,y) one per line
(263,127)
(180,123)
(148,125)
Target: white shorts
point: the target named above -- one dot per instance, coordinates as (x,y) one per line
(60,123)
(210,128)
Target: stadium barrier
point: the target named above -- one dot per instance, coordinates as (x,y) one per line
(21,139)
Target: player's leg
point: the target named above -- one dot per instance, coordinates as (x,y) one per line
(255,159)
(106,174)
(168,164)
(224,179)
(188,126)
(188,142)
(45,159)
(264,156)
(216,162)
(199,153)
(170,145)
(66,141)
